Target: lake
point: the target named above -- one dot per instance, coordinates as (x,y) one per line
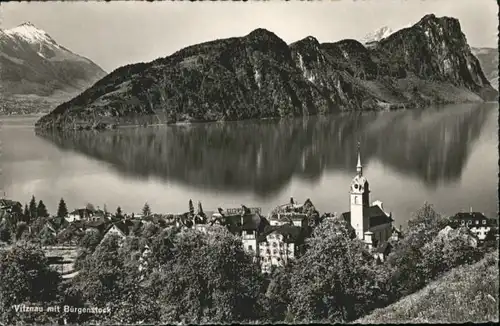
(447,156)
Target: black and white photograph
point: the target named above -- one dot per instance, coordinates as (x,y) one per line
(249,162)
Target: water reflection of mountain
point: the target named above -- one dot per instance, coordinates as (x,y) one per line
(262,156)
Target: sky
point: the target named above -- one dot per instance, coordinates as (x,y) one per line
(113,34)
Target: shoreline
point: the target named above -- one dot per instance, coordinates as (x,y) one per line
(387,107)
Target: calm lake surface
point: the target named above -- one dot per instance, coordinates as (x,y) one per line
(447,156)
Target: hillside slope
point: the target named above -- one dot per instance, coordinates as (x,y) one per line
(34,66)
(468,293)
(260,76)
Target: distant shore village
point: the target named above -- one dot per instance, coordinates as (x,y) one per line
(273,240)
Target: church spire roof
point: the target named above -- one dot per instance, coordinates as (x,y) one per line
(359,167)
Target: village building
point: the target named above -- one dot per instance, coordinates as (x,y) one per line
(9,207)
(270,245)
(371,223)
(279,244)
(245,222)
(293,213)
(397,234)
(80,214)
(54,225)
(382,251)
(478,223)
(100,224)
(120,229)
(99,214)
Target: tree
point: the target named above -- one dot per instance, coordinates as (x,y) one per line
(90,240)
(149,230)
(33,210)
(17,209)
(200,209)
(146,210)
(191,208)
(442,254)
(42,210)
(335,279)
(68,235)
(35,282)
(109,277)
(277,295)
(99,276)
(208,279)
(36,227)
(21,231)
(418,257)
(426,218)
(47,238)
(62,210)
(118,213)
(90,207)
(26,213)
(162,247)
(5,234)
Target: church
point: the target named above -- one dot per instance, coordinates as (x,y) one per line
(372,223)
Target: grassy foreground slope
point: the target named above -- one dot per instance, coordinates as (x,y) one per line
(468,293)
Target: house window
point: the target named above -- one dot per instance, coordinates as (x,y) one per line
(275,252)
(274,244)
(484,222)
(249,232)
(250,248)
(462,222)
(477,222)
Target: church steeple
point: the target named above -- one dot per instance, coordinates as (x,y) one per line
(359,167)
(360,199)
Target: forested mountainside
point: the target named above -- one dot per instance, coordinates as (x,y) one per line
(260,76)
(34,68)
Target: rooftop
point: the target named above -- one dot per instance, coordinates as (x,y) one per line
(469,215)
(374,213)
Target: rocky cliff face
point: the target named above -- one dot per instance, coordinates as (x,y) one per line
(488,57)
(435,49)
(260,76)
(33,63)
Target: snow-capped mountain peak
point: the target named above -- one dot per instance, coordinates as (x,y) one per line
(36,64)
(380,33)
(377,35)
(28,32)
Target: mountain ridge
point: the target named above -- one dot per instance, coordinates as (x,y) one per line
(260,76)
